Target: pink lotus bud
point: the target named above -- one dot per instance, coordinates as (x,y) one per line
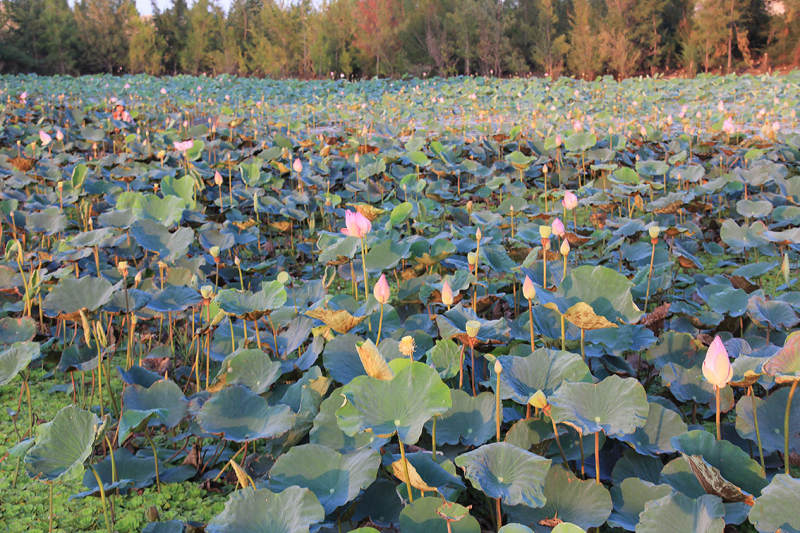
(528,290)
(717,367)
(381,290)
(565,248)
(297,166)
(576,125)
(357,225)
(776,126)
(163,90)
(570,201)
(59,135)
(720,106)
(558,140)
(218,178)
(643,131)
(44,138)
(447,294)
(558,228)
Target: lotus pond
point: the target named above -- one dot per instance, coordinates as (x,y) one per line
(448,306)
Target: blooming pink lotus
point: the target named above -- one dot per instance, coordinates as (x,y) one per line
(44,138)
(570,201)
(357,225)
(577,126)
(381,290)
(717,367)
(727,126)
(183,146)
(558,227)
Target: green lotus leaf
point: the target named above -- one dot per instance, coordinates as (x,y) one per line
(75,294)
(643,467)
(470,420)
(166,211)
(164,394)
(155,238)
(583,503)
(139,471)
(170,526)
(15,358)
(249,305)
(445,357)
(502,470)
(252,368)
(333,477)
(514,528)
(173,299)
(13,330)
(182,188)
(437,475)
(743,237)
(754,208)
(654,437)
(677,513)
(678,348)
(133,421)
(263,511)
(241,415)
(400,213)
(327,433)
(422,517)
(771,313)
(580,142)
(565,527)
(401,405)
(63,445)
(386,255)
(630,498)
(771,416)
(776,509)
(617,406)
(543,370)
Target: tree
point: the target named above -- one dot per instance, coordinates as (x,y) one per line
(584,57)
(103,30)
(378,28)
(172,25)
(146,49)
(549,47)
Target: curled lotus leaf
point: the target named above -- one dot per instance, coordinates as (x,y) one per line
(340,320)
(583,316)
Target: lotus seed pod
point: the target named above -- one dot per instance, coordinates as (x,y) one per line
(472,259)
(214,251)
(206,291)
(473,327)
(654,232)
(538,400)
(545,231)
(283,277)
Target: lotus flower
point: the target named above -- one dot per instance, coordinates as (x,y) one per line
(357,224)
(381,290)
(183,146)
(727,126)
(558,140)
(447,294)
(565,249)
(717,367)
(218,178)
(528,290)
(558,228)
(297,166)
(59,135)
(577,126)
(163,90)
(44,137)
(570,201)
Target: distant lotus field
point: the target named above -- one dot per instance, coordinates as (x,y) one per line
(455,305)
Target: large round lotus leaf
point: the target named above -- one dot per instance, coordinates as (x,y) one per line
(471,419)
(689,385)
(73,294)
(629,500)
(241,415)
(583,503)
(777,508)
(785,365)
(80,357)
(643,467)
(133,421)
(327,433)
(454,323)
(515,528)
(401,405)
(122,303)
(140,471)
(251,305)
(171,526)
(677,513)
(334,478)
(164,394)
(543,370)
(381,503)
(155,238)
(421,517)
(771,313)
(251,368)
(734,464)
(15,358)
(678,348)
(616,405)
(341,358)
(754,209)
(13,330)
(654,437)
(445,357)
(729,301)
(263,511)
(605,290)
(531,434)
(173,299)
(62,445)
(771,416)
(565,527)
(504,471)
(427,474)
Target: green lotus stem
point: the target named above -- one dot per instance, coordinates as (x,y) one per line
(544,263)
(530,323)
(100,387)
(558,442)
(564,276)
(102,498)
(405,468)
(649,276)
(719,431)
(563,335)
(499,511)
(786,427)
(472,372)
(755,422)
(366,282)
(597,457)
(30,408)
(461,368)
(50,487)
(498,416)
(155,458)
(583,460)
(233,335)
(433,437)
(380,326)
(583,351)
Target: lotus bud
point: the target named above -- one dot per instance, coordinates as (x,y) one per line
(545,231)
(407,346)
(381,290)
(538,400)
(297,166)
(565,248)
(214,251)
(478,235)
(570,201)
(545,170)
(654,232)
(558,228)
(217,178)
(59,135)
(283,277)
(137,279)
(207,291)
(355,158)
(472,259)
(447,294)
(717,367)
(469,206)
(498,368)
(473,327)
(236,260)
(528,290)
(60,186)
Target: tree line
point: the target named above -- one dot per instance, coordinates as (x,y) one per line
(364,38)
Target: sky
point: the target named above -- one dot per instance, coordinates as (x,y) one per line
(145,7)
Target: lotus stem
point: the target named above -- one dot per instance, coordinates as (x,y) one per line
(233,334)
(530,323)
(155,458)
(102,498)
(544,262)
(498,410)
(719,431)
(461,368)
(583,460)
(564,276)
(786,427)
(583,351)
(380,326)
(433,437)
(755,423)
(499,511)
(366,279)
(30,408)
(597,457)
(563,335)
(649,276)
(558,442)
(405,468)
(472,373)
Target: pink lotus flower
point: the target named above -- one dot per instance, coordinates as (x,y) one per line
(357,225)
(577,126)
(183,146)
(720,106)
(528,290)
(669,120)
(776,126)
(558,140)
(23,96)
(447,294)
(218,178)
(717,367)
(44,138)
(643,131)
(381,290)
(297,166)
(163,90)
(570,201)
(127,86)
(558,228)
(727,126)
(59,135)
